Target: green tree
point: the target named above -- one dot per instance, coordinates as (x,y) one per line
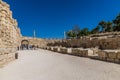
(103,25)
(109,27)
(71,34)
(117,23)
(96,30)
(76,29)
(74,32)
(84,32)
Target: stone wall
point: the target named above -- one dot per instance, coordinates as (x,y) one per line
(80,52)
(9,34)
(109,55)
(39,42)
(101,43)
(92,53)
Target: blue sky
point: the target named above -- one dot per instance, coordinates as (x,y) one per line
(50,18)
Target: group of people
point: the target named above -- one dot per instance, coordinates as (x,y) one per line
(27,47)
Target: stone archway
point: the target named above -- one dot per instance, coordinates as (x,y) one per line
(24,44)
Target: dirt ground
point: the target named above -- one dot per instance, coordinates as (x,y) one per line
(47,65)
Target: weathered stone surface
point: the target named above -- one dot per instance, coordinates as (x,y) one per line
(80,52)
(118,55)
(9,34)
(102,55)
(48,48)
(51,48)
(69,50)
(58,49)
(109,55)
(75,51)
(63,50)
(103,41)
(112,55)
(37,42)
(55,49)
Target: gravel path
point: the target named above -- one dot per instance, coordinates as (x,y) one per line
(47,65)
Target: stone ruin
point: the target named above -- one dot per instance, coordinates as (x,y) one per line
(11,40)
(9,34)
(104,41)
(102,46)
(31,41)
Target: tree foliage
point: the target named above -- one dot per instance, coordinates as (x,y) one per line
(95,30)
(117,23)
(103,26)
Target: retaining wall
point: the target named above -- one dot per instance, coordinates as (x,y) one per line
(9,34)
(111,56)
(104,55)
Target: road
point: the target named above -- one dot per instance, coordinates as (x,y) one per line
(47,65)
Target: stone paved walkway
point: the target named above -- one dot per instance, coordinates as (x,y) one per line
(47,65)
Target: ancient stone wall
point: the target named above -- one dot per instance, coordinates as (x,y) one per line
(109,55)
(101,43)
(38,42)
(9,34)
(92,53)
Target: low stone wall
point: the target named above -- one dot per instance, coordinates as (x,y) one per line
(63,50)
(55,49)
(72,51)
(80,52)
(69,50)
(105,55)
(7,55)
(111,56)
(51,48)
(48,48)
(102,43)
(102,55)
(108,43)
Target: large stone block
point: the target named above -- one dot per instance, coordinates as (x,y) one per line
(51,48)
(69,50)
(58,50)
(63,50)
(55,49)
(76,52)
(48,48)
(80,52)
(102,55)
(85,53)
(118,55)
(112,55)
